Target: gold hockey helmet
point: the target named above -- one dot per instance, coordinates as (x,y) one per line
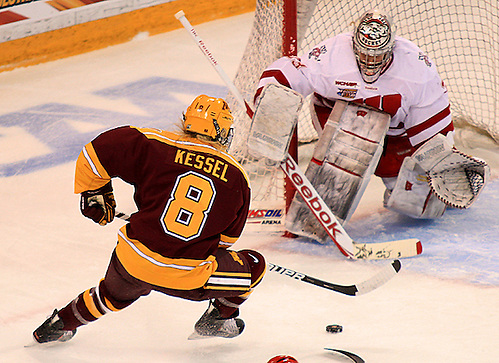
(210,116)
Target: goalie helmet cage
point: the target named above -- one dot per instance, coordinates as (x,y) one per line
(461,37)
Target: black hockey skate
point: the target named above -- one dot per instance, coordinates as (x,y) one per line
(51,330)
(211,325)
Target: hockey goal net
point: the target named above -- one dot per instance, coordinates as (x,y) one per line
(462,37)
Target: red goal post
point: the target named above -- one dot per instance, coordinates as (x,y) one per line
(462,38)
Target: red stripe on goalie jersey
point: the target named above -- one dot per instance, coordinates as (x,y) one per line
(432,121)
(388,103)
(188,193)
(272,75)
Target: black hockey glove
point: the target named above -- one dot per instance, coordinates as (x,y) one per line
(99,205)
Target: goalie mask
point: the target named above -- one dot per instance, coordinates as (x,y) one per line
(210,116)
(373,41)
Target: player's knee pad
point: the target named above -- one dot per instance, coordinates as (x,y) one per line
(257,265)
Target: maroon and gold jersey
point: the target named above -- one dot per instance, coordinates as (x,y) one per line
(191,200)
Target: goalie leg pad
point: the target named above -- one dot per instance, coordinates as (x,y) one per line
(412,195)
(337,187)
(343,162)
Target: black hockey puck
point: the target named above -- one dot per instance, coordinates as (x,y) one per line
(334,328)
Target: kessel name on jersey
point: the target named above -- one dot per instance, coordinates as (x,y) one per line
(210,165)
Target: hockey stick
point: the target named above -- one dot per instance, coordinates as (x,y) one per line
(352,356)
(364,287)
(383,250)
(383,276)
(350,248)
(202,46)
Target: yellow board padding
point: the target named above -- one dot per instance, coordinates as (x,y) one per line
(114,30)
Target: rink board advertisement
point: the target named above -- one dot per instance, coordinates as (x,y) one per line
(41,31)
(266,216)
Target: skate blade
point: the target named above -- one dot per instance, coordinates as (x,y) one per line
(196,336)
(35,343)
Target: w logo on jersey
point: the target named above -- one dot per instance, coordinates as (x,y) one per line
(388,103)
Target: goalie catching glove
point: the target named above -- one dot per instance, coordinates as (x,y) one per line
(99,205)
(435,176)
(458,179)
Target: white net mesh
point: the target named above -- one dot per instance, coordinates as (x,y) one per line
(462,37)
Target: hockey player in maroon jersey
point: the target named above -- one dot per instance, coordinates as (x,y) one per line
(375,68)
(192,199)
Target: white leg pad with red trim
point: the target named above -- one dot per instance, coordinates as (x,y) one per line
(344,159)
(411,195)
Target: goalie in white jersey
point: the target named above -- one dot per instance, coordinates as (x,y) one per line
(374,67)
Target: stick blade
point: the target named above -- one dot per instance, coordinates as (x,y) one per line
(388,250)
(381,278)
(354,357)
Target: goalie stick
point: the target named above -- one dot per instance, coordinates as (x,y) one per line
(202,46)
(370,251)
(384,250)
(383,276)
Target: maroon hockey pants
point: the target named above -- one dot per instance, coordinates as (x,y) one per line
(119,289)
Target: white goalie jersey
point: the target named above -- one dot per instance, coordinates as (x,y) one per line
(410,90)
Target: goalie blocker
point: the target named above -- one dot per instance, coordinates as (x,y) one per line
(274,121)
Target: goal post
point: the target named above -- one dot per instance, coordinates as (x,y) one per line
(461,37)
(290,48)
